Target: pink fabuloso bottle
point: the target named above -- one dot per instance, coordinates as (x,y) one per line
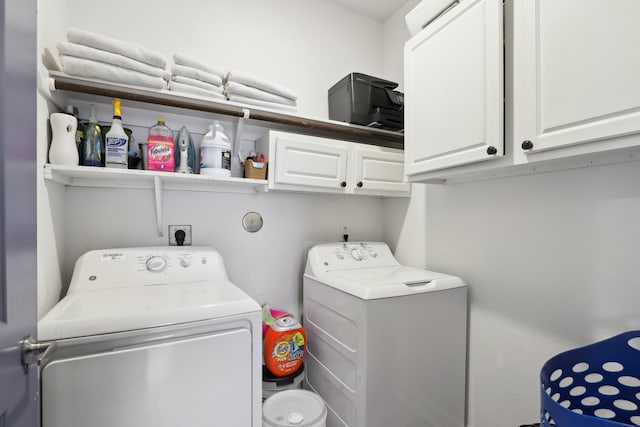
(160,148)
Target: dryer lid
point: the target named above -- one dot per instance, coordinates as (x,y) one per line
(108,310)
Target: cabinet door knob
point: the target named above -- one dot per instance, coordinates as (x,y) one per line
(527,145)
(359,184)
(491,150)
(343,184)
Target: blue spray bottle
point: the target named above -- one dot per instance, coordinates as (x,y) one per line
(185,152)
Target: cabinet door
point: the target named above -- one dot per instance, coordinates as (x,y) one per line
(576,75)
(378,171)
(454,89)
(310,161)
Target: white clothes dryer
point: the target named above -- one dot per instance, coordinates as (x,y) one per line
(386,343)
(153,336)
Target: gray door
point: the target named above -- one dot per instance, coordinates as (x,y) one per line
(18,390)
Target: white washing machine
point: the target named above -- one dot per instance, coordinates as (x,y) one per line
(386,344)
(152,337)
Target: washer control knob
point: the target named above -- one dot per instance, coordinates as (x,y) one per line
(355,254)
(185,262)
(156,264)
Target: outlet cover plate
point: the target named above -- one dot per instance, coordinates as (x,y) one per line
(172,234)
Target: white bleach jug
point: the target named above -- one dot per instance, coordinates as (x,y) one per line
(63,150)
(215,152)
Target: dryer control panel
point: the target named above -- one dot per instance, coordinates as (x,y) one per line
(347,255)
(124,267)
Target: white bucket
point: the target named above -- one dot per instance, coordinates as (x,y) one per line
(299,408)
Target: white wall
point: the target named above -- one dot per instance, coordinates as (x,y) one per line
(551,264)
(395,35)
(268,264)
(550,260)
(405,219)
(306,45)
(50,199)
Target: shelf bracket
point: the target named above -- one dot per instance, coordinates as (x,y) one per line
(157,187)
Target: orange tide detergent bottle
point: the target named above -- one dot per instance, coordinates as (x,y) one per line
(284,346)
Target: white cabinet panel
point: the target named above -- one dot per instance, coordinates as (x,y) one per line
(377,170)
(454,89)
(316,162)
(576,73)
(196,381)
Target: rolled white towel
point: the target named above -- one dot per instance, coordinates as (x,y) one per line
(260,83)
(197,83)
(130,50)
(234,88)
(86,52)
(50,60)
(259,103)
(192,90)
(203,76)
(87,68)
(187,61)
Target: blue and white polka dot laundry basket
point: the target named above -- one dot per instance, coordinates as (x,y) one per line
(593,386)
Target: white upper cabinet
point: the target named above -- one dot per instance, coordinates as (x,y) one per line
(570,83)
(378,170)
(309,161)
(454,89)
(576,76)
(315,164)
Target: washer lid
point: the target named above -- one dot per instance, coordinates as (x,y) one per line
(387,282)
(368,270)
(108,310)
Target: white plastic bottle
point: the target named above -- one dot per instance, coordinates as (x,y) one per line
(92,145)
(215,152)
(63,150)
(116,140)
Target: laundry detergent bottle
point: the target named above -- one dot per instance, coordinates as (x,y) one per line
(160,148)
(116,140)
(284,346)
(215,152)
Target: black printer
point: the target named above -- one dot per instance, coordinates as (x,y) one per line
(369,101)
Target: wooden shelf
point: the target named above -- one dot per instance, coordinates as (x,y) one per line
(85,176)
(263,117)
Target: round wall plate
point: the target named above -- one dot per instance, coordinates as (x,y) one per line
(252,222)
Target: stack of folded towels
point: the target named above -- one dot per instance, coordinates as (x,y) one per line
(99,57)
(247,89)
(195,78)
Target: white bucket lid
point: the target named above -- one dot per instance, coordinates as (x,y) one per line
(300,408)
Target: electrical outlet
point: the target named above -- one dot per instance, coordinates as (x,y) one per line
(172,234)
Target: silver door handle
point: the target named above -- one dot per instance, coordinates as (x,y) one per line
(33,351)
(442,12)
